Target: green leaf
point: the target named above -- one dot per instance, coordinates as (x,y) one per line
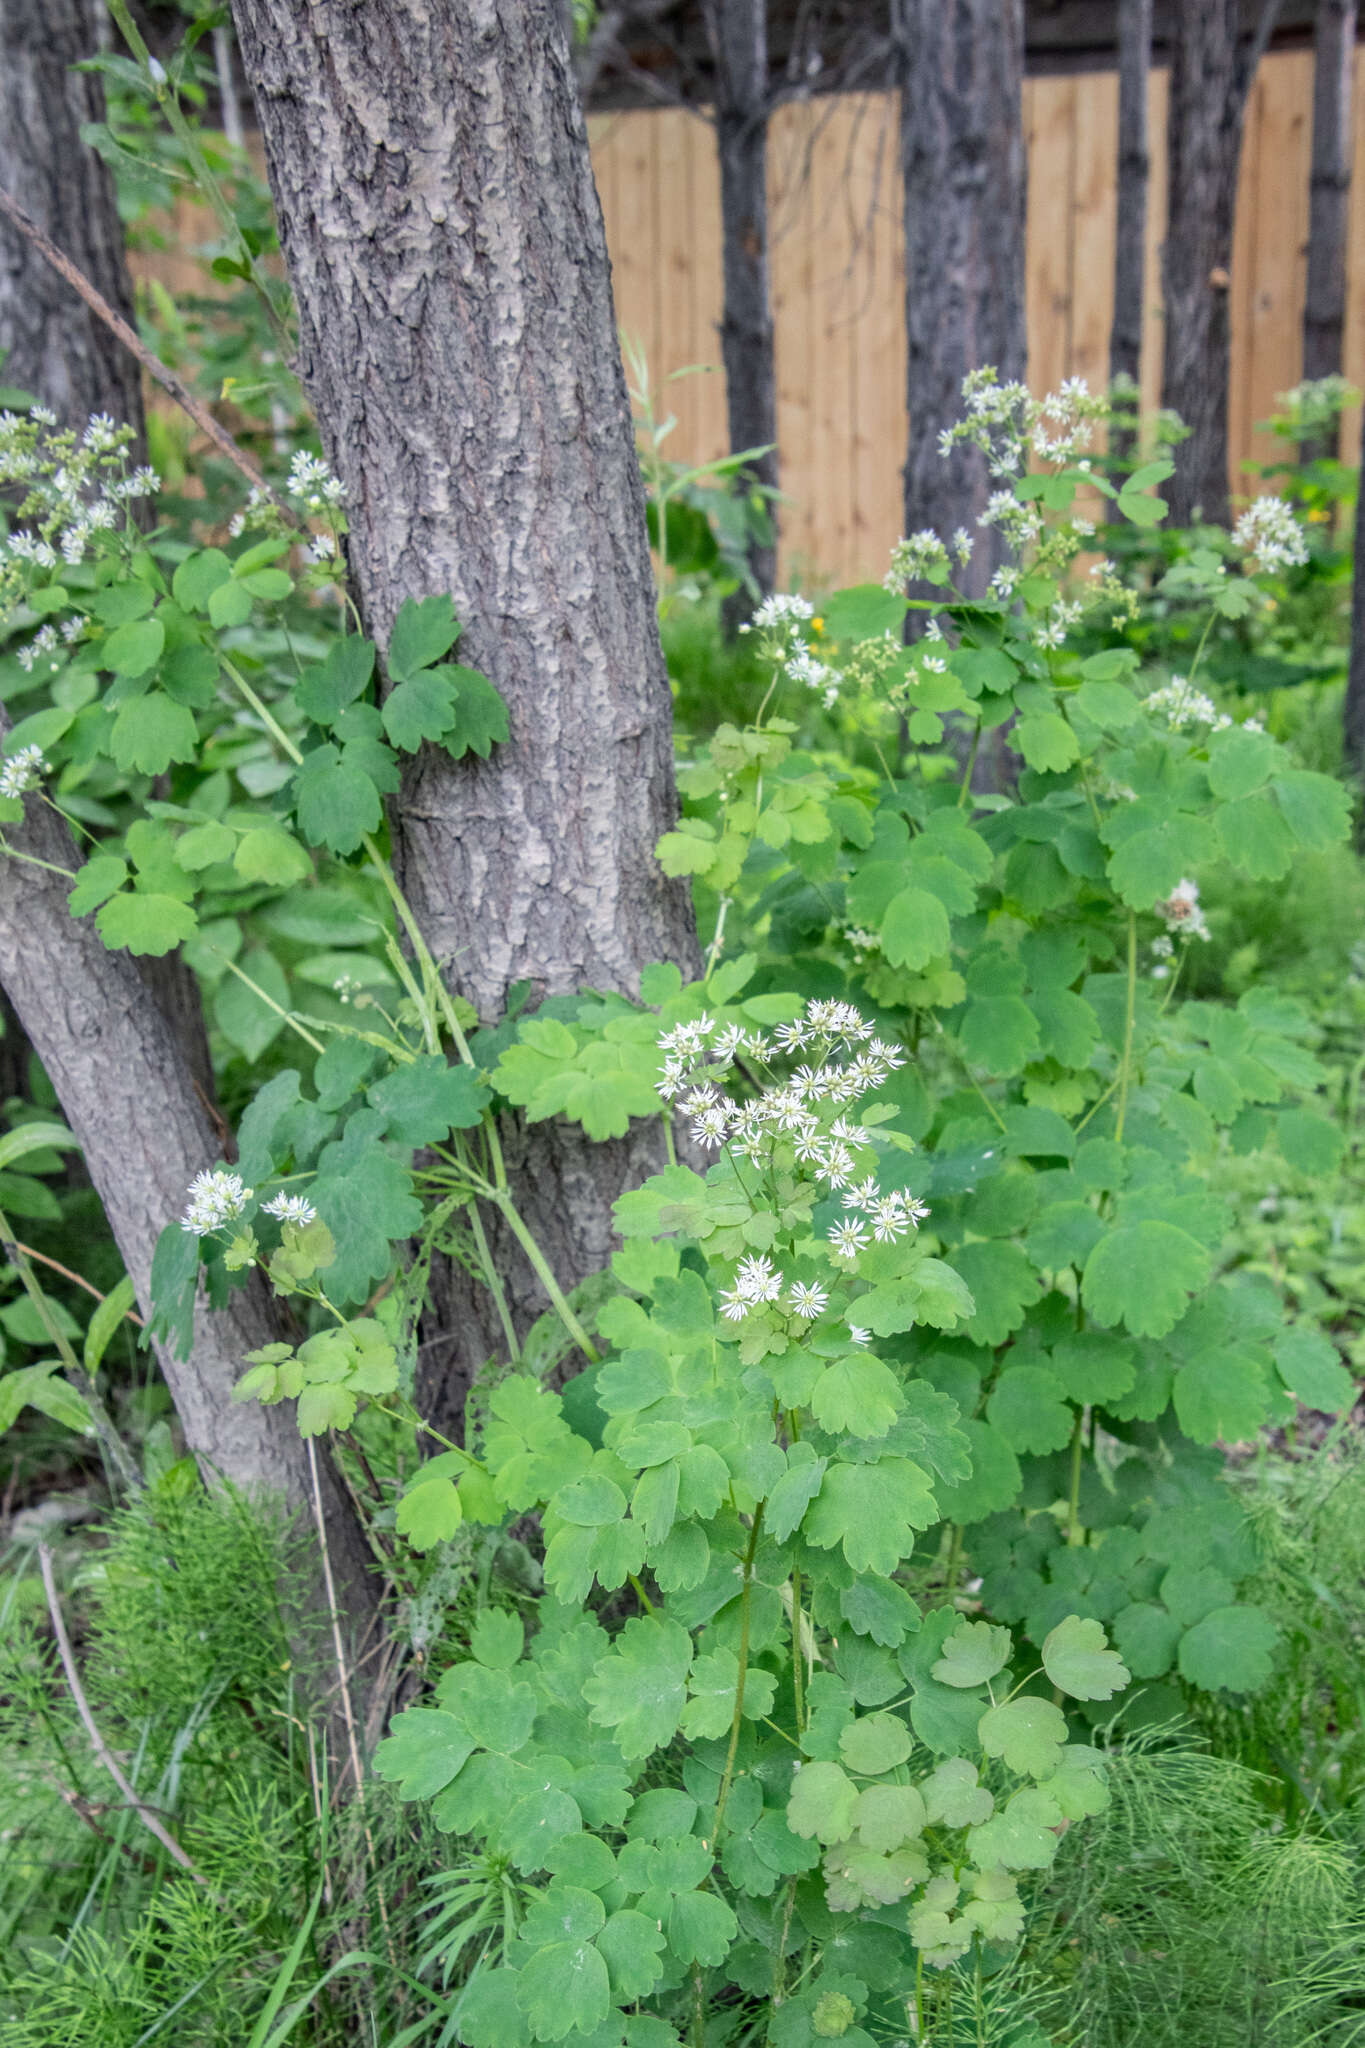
(999,1033)
(145,923)
(336,804)
(1222,1394)
(639,1689)
(711,1695)
(875,1743)
(953,1796)
(1046,741)
(1029,1408)
(1308,1363)
(229,605)
(792,1495)
(344,676)
(1020,1836)
(41,1136)
(198,576)
(427,1099)
(423,709)
(1316,808)
(564,1988)
(1240,762)
(133,649)
(245,1019)
(1256,838)
(324,1407)
(203,845)
(1230,1650)
(1309,1142)
(915,929)
(96,881)
(480,721)
(857,1394)
(366,1200)
(1078,1660)
(1142,1274)
(888,1816)
(424,630)
(873,1511)
(1147,1636)
(429,1513)
(995,1477)
(1002,1284)
(152,731)
(109,1314)
(1028,1733)
(423,1752)
(490,2014)
(701,1928)
(823,1803)
(973,1653)
(633,1947)
(267,854)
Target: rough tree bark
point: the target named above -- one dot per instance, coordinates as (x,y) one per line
(437,211)
(1324,312)
(56,348)
(960,66)
(737,32)
(1130,228)
(126,1092)
(1211,75)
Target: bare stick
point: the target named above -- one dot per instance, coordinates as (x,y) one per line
(99,305)
(130,1315)
(97,1741)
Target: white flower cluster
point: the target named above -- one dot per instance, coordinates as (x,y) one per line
(1182,912)
(1163,952)
(216,1197)
(23,771)
(1053,630)
(75,487)
(915,556)
(1021,523)
(312,481)
(804,667)
(1270,535)
(846,1060)
(1063,423)
(999,420)
(1184,705)
(291,1209)
(782,611)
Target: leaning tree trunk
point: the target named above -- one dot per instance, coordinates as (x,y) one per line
(55,347)
(430,167)
(1130,227)
(1324,311)
(960,64)
(1354,715)
(737,31)
(1210,79)
(128,1095)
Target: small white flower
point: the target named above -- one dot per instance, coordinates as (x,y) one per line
(807,1302)
(757,1280)
(291,1209)
(848,1239)
(23,771)
(783,609)
(216,1197)
(1182,912)
(1271,535)
(857,1335)
(733,1307)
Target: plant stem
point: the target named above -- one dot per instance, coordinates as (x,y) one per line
(290,1019)
(1075,1533)
(798,1689)
(966,788)
(120,1458)
(950,1570)
(494,1283)
(540,1267)
(745,1603)
(1126,1067)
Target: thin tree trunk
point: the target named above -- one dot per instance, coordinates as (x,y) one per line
(55,347)
(737,31)
(1354,710)
(1210,78)
(1130,229)
(437,211)
(128,1095)
(1324,312)
(962,161)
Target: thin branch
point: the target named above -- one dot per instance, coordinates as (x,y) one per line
(130,1315)
(97,1741)
(133,342)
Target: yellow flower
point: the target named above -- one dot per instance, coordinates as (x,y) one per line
(817,625)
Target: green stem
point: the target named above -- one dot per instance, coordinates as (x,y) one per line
(414,1421)
(290,1019)
(966,789)
(262,711)
(541,1269)
(115,1450)
(32,860)
(1075,1532)
(798,1654)
(953,1565)
(1126,1067)
(493,1282)
(745,1603)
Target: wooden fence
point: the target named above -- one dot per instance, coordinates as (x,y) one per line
(838,281)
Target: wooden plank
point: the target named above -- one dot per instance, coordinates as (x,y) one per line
(793,249)
(1243,287)
(634,248)
(839,282)
(706,390)
(1050,114)
(1272,357)
(1154,332)
(1353,340)
(879,422)
(1093,209)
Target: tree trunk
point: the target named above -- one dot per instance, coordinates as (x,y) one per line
(960,65)
(437,212)
(737,31)
(1130,228)
(1329,194)
(55,347)
(1210,79)
(127,1094)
